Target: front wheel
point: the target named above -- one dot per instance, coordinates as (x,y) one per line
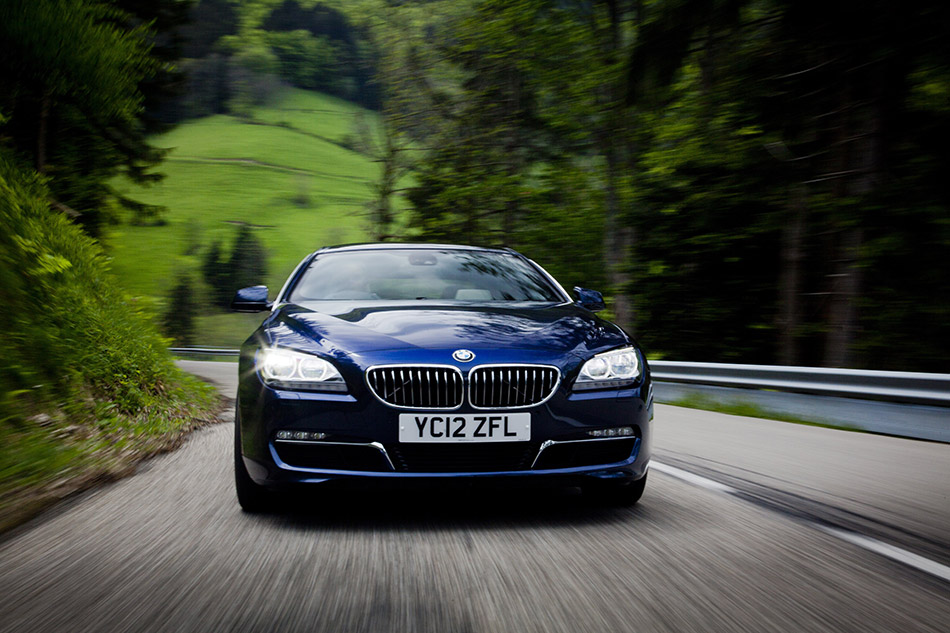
(251,496)
(624,495)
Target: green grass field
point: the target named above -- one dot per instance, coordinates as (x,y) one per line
(286,173)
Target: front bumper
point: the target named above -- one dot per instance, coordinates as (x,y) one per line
(361,440)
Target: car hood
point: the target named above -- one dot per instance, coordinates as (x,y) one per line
(526,327)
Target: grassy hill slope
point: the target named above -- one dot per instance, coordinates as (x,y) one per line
(290,173)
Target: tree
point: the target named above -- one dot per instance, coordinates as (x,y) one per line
(542,88)
(822,93)
(247,265)
(70,76)
(305,60)
(252,73)
(179,319)
(346,63)
(208,21)
(165,20)
(214,270)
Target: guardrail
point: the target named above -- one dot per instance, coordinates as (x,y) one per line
(890,386)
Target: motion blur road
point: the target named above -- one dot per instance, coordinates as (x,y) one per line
(746,525)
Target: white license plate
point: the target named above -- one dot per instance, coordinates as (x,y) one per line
(464,427)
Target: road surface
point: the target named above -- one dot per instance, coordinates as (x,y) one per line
(746,525)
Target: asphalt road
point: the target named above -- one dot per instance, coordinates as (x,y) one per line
(744,527)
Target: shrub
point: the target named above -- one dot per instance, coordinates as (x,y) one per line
(86,382)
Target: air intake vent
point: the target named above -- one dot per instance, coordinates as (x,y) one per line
(511,386)
(417,387)
(461,458)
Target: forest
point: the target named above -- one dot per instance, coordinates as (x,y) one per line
(746,180)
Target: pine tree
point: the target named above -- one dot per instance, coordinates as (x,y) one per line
(179,319)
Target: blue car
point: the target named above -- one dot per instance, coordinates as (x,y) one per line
(442,363)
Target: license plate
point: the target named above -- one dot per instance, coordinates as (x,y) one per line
(464,427)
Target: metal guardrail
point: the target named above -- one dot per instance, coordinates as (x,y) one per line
(891,386)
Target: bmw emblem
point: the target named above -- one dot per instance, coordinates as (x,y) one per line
(463,355)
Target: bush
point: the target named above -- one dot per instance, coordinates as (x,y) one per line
(69,328)
(86,382)
(253,76)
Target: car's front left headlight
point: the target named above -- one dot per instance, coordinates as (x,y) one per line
(286,369)
(613,369)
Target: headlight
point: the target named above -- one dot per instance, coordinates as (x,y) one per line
(616,368)
(283,368)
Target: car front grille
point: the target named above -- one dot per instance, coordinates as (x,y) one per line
(511,386)
(417,387)
(463,458)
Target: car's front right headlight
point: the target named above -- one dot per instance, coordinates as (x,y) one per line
(609,370)
(286,369)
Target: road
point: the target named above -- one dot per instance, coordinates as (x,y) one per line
(745,526)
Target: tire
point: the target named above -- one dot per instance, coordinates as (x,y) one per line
(252,497)
(620,495)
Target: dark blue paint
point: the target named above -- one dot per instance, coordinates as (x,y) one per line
(357,335)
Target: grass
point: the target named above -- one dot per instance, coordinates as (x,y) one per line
(317,114)
(285,172)
(751,410)
(46,458)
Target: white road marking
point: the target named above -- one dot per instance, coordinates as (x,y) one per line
(873,545)
(691,478)
(884,549)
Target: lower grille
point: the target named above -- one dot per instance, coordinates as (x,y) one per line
(585,453)
(332,456)
(463,458)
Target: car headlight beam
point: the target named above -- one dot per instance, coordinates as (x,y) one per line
(609,370)
(286,369)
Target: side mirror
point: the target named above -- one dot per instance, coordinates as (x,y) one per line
(251,299)
(590,299)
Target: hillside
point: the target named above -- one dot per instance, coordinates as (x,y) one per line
(292,174)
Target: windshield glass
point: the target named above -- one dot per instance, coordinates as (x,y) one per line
(410,274)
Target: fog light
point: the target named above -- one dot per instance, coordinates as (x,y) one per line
(623,431)
(303,436)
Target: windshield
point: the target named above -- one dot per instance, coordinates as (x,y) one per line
(411,274)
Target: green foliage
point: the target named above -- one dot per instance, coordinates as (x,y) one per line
(70,73)
(252,73)
(305,60)
(208,90)
(178,322)
(246,266)
(70,330)
(747,409)
(86,382)
(215,273)
(757,176)
(237,53)
(795,188)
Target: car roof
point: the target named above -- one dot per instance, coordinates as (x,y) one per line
(370,246)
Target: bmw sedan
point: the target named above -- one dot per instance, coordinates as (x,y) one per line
(383,362)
